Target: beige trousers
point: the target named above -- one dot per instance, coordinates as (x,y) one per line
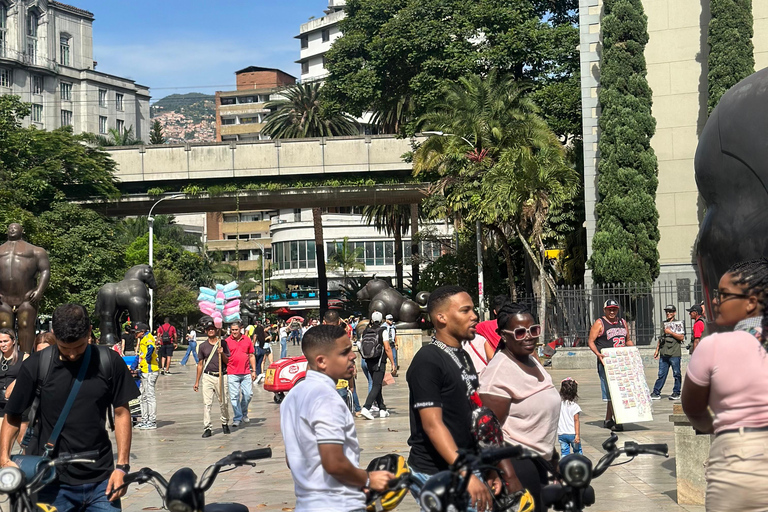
(737,473)
(211,390)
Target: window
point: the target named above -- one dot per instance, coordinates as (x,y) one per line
(64,49)
(263,98)
(37,113)
(326,33)
(119,102)
(66,118)
(292,255)
(248,120)
(245,99)
(297,215)
(228,101)
(102,124)
(66,91)
(304,42)
(3,28)
(325,62)
(6,77)
(225,120)
(37,84)
(120,125)
(102,97)
(304,68)
(32,36)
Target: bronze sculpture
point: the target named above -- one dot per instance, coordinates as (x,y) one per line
(24,275)
(130,294)
(732,177)
(389,301)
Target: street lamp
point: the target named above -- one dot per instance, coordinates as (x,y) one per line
(151,222)
(478,234)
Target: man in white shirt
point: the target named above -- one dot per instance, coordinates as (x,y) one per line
(321,446)
(391,336)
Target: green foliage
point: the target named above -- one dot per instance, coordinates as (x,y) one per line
(114,137)
(731,52)
(396,56)
(345,256)
(624,248)
(174,297)
(302,114)
(156,134)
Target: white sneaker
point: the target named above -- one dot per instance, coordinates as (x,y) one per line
(374,409)
(383,414)
(365,413)
(246,420)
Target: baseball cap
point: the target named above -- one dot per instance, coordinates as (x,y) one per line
(376,317)
(670,307)
(141,326)
(695,308)
(389,317)
(610,303)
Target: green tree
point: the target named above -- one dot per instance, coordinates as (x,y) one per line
(114,137)
(302,114)
(345,256)
(731,52)
(173,296)
(156,133)
(624,248)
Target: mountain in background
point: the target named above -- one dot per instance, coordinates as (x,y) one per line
(187,117)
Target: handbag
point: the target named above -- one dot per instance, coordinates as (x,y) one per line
(388,379)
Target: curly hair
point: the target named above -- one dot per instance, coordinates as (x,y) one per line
(70,322)
(569,390)
(507,311)
(753,274)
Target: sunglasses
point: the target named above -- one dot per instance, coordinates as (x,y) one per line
(521,332)
(721,296)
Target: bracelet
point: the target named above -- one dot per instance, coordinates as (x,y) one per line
(367,480)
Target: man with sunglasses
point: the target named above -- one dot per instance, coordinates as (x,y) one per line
(669,351)
(697,316)
(609,331)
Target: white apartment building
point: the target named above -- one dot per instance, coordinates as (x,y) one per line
(46,58)
(316,37)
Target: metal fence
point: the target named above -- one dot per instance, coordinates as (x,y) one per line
(572,312)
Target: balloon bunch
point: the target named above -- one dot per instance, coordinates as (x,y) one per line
(221,304)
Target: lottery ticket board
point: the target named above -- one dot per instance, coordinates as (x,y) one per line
(630,396)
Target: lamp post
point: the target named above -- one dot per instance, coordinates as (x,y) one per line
(151,222)
(263,290)
(478,234)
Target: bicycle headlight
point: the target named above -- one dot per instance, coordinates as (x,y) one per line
(576,470)
(11,479)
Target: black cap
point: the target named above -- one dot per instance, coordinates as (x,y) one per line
(695,308)
(671,308)
(141,327)
(610,303)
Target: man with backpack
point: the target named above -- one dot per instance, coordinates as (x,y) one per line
(79,381)
(168,340)
(373,349)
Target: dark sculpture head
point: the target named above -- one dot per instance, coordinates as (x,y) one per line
(372,288)
(15,231)
(143,273)
(732,177)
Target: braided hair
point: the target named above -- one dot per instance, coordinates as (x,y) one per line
(753,274)
(508,310)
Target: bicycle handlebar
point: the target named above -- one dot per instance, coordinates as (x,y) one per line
(238,457)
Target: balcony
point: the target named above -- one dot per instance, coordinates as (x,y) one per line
(242,109)
(241,129)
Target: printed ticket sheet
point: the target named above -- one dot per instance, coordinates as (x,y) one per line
(630,396)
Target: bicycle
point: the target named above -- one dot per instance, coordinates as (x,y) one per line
(20,486)
(576,472)
(185,493)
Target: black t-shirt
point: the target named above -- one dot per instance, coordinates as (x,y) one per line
(434,380)
(130,341)
(204,350)
(85,427)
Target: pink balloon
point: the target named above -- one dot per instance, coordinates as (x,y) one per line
(207,303)
(217,322)
(220,295)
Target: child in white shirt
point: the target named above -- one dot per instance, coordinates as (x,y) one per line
(568,428)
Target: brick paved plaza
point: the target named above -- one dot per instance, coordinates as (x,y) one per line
(645,485)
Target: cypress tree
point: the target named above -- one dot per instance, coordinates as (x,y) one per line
(731,53)
(624,248)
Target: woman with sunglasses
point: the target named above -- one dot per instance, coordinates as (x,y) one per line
(521,394)
(728,373)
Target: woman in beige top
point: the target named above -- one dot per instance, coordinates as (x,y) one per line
(522,396)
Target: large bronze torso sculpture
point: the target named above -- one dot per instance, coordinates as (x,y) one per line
(24,275)
(389,301)
(130,294)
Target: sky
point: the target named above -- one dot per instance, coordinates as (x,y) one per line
(176,46)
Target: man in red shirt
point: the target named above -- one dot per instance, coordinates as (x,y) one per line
(166,335)
(697,316)
(488,328)
(241,371)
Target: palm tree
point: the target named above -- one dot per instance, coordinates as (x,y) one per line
(394,220)
(302,114)
(114,137)
(322,278)
(346,257)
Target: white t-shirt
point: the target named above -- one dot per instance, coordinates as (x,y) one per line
(313,413)
(283,332)
(567,411)
(192,336)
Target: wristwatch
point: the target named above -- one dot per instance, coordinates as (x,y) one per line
(125,468)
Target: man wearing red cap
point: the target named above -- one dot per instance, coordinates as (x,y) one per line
(608,331)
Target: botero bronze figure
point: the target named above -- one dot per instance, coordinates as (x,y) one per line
(732,177)
(130,294)
(389,301)
(24,275)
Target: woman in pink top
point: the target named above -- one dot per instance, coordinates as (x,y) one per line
(728,373)
(520,392)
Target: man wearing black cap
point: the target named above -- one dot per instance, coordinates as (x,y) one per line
(609,331)
(668,352)
(697,316)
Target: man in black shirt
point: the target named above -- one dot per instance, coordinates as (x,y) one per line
(79,487)
(442,382)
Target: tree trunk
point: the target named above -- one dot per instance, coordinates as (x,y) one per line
(322,279)
(414,247)
(399,252)
(508,258)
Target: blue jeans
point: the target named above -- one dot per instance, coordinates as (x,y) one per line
(295,336)
(603,381)
(191,349)
(283,347)
(240,402)
(260,353)
(367,374)
(566,442)
(79,498)
(394,353)
(664,363)
(356,401)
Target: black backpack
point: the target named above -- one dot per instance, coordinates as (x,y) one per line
(371,345)
(166,337)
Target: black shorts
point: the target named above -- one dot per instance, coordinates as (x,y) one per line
(166,350)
